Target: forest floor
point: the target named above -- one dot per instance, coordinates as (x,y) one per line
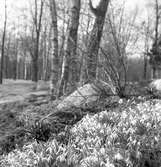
(19,90)
(111,132)
(18,101)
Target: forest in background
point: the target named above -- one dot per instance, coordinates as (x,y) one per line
(54,41)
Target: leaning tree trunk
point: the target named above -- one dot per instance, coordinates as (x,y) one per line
(95,38)
(70,63)
(54,57)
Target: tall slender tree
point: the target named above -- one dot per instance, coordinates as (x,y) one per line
(37,18)
(70,64)
(3,44)
(54,56)
(95,37)
(155,58)
(156,32)
(147,38)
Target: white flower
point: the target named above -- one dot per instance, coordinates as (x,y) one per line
(118,156)
(120,101)
(102,151)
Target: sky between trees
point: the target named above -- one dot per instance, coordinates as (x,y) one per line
(15,8)
(15,4)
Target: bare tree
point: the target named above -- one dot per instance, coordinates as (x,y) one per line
(84,43)
(156,33)
(6,60)
(15,63)
(69,65)
(37,18)
(118,43)
(147,41)
(3,44)
(54,57)
(95,37)
(44,42)
(155,59)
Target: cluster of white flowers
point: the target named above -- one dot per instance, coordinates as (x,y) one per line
(99,140)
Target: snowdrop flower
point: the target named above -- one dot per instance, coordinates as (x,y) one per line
(118,156)
(120,101)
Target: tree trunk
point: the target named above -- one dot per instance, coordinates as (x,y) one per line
(7,59)
(54,58)
(25,70)
(156,21)
(35,66)
(156,36)
(95,38)
(44,60)
(70,64)
(3,44)
(145,67)
(83,70)
(37,23)
(154,73)
(15,75)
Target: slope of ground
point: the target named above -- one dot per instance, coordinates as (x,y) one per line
(16,97)
(128,135)
(116,132)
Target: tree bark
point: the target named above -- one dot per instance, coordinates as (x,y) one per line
(145,67)
(54,57)
(3,44)
(157,18)
(37,24)
(95,38)
(44,46)
(70,63)
(83,70)
(15,67)
(154,73)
